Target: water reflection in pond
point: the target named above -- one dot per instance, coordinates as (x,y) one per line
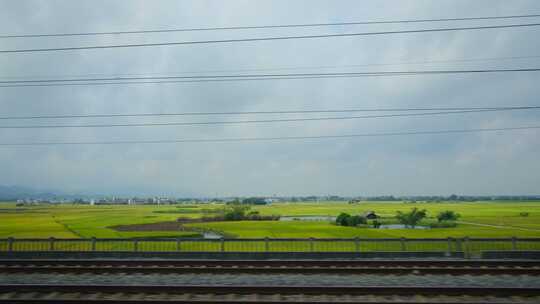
(316,218)
(212,235)
(399,226)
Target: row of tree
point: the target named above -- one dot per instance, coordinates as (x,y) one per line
(249,201)
(409,219)
(242,212)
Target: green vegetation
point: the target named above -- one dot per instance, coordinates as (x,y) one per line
(477,219)
(237,211)
(347,220)
(411,218)
(447,215)
(254,201)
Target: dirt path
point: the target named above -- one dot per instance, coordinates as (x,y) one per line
(498,226)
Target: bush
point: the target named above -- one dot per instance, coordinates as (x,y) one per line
(447,216)
(235,212)
(238,212)
(345,219)
(524,214)
(355,220)
(342,219)
(255,216)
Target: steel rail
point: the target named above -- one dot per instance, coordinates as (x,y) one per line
(448,263)
(258,300)
(456,271)
(100,298)
(269,289)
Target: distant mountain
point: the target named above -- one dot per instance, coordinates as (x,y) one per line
(16,192)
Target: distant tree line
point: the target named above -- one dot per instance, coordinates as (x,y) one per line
(237,211)
(409,219)
(452,198)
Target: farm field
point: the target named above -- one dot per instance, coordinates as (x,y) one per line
(478,219)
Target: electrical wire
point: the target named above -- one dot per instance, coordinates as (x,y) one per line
(280,68)
(70,116)
(178,43)
(277,138)
(200,123)
(268,26)
(245,77)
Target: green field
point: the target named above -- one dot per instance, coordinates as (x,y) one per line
(479,219)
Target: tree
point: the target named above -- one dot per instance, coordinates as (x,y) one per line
(345,219)
(342,219)
(447,216)
(234,202)
(236,212)
(412,218)
(356,220)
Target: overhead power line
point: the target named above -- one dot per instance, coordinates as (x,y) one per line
(280,68)
(282,120)
(240,77)
(267,26)
(270,75)
(178,43)
(68,116)
(278,138)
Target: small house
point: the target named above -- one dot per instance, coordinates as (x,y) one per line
(370,215)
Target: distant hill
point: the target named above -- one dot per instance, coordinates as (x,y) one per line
(16,192)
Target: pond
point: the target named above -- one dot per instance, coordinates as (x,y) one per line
(316,218)
(399,226)
(212,235)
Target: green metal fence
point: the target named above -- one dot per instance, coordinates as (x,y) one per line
(468,246)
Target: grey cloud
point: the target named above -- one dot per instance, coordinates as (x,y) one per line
(443,164)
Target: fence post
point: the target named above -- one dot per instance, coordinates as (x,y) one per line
(135,245)
(178,243)
(357,244)
(311,244)
(51,244)
(466,245)
(402,241)
(449,251)
(514,243)
(93,243)
(10,243)
(222,244)
(266,245)
(458,245)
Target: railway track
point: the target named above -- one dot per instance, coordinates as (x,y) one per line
(158,286)
(262,294)
(283,263)
(268,267)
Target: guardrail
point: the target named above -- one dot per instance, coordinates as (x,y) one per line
(467,246)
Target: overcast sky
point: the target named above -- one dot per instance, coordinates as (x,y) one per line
(474,163)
